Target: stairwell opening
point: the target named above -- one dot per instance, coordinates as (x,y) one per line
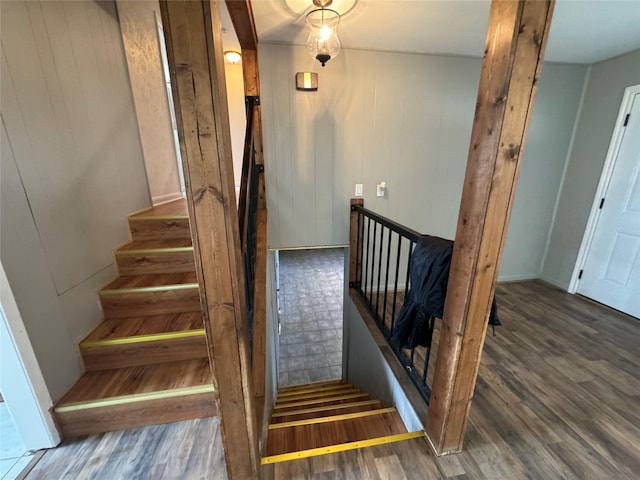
(310,309)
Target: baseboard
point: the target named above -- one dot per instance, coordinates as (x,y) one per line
(517,278)
(555,283)
(166,198)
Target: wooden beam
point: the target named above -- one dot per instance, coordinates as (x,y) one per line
(355,241)
(194,48)
(242,19)
(516,39)
(250,72)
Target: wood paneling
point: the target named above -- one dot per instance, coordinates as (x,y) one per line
(404,119)
(194,49)
(516,38)
(75,169)
(70,118)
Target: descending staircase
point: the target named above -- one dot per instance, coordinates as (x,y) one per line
(327,417)
(146,362)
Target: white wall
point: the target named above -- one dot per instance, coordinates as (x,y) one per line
(405,119)
(237,116)
(138,24)
(72,169)
(605,88)
(365,367)
(272,343)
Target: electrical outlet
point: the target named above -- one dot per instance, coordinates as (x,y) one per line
(358,189)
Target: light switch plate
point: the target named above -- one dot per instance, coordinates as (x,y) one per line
(358,189)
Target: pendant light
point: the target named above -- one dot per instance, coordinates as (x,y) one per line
(323,43)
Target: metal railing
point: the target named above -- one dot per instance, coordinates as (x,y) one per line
(248,212)
(382,277)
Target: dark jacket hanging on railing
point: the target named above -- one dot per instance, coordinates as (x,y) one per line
(425,298)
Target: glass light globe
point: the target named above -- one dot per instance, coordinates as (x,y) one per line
(323,43)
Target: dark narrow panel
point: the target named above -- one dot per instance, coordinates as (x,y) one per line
(386,281)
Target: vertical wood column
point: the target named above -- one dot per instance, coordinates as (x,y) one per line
(516,38)
(194,48)
(355,241)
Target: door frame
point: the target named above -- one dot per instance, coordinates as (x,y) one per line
(23,386)
(605,177)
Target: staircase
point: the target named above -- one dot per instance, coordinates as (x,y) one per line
(328,417)
(146,362)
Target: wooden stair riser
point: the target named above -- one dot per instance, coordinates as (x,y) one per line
(155,228)
(152,262)
(132,304)
(132,415)
(143,353)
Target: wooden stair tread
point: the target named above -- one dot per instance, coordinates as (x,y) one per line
(304,414)
(307,385)
(304,437)
(284,401)
(347,398)
(175,208)
(343,447)
(103,384)
(154,244)
(151,280)
(309,391)
(149,325)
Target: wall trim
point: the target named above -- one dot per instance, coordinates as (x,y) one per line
(605,177)
(166,198)
(45,434)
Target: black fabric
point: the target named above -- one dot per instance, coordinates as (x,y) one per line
(430,265)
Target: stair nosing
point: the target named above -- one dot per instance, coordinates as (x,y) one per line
(149,337)
(149,289)
(332,418)
(321,400)
(332,381)
(324,408)
(341,447)
(141,251)
(343,386)
(316,395)
(159,217)
(132,398)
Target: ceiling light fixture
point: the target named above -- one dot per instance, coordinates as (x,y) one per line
(323,43)
(232,56)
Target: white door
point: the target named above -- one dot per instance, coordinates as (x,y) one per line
(611,273)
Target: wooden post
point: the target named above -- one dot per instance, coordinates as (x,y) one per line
(516,39)
(194,49)
(355,241)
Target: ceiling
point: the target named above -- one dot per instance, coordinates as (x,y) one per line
(582,31)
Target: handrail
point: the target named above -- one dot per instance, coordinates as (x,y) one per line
(373,261)
(250,103)
(248,206)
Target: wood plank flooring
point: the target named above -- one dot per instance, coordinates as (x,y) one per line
(186,450)
(558,396)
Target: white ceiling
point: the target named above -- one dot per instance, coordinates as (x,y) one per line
(582,31)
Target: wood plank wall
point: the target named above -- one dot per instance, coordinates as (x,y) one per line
(72,169)
(404,119)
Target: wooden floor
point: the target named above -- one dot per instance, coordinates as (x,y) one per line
(558,396)
(184,450)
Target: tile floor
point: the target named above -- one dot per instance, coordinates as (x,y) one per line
(311,293)
(13,457)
